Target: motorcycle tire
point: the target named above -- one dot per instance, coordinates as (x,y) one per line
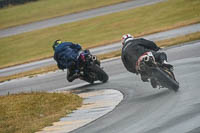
(101,74)
(166,78)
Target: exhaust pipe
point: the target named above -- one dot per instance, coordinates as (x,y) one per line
(94,58)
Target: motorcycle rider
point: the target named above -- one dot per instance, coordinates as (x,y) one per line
(66,55)
(134,48)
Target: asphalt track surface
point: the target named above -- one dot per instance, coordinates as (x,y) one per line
(143,109)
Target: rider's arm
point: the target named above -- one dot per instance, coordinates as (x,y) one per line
(59,65)
(127,64)
(56,57)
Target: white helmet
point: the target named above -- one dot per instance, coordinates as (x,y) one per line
(126,38)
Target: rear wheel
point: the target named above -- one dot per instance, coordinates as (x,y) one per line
(90,77)
(174,84)
(100,73)
(166,79)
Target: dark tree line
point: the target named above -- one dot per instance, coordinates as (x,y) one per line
(4,3)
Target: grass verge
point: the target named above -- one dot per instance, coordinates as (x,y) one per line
(100,30)
(163,43)
(27,13)
(29,112)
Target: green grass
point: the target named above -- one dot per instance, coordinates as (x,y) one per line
(44,9)
(29,112)
(100,30)
(180,39)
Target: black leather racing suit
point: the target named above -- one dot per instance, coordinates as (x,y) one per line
(133,49)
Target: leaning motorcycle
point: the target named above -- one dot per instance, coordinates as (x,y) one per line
(90,69)
(160,75)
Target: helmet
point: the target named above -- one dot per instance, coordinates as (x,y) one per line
(126,37)
(56,43)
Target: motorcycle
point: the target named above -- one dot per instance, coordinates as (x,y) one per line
(90,69)
(160,75)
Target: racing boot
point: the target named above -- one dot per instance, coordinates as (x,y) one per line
(153,83)
(166,64)
(73,77)
(144,77)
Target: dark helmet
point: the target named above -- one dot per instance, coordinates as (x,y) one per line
(56,43)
